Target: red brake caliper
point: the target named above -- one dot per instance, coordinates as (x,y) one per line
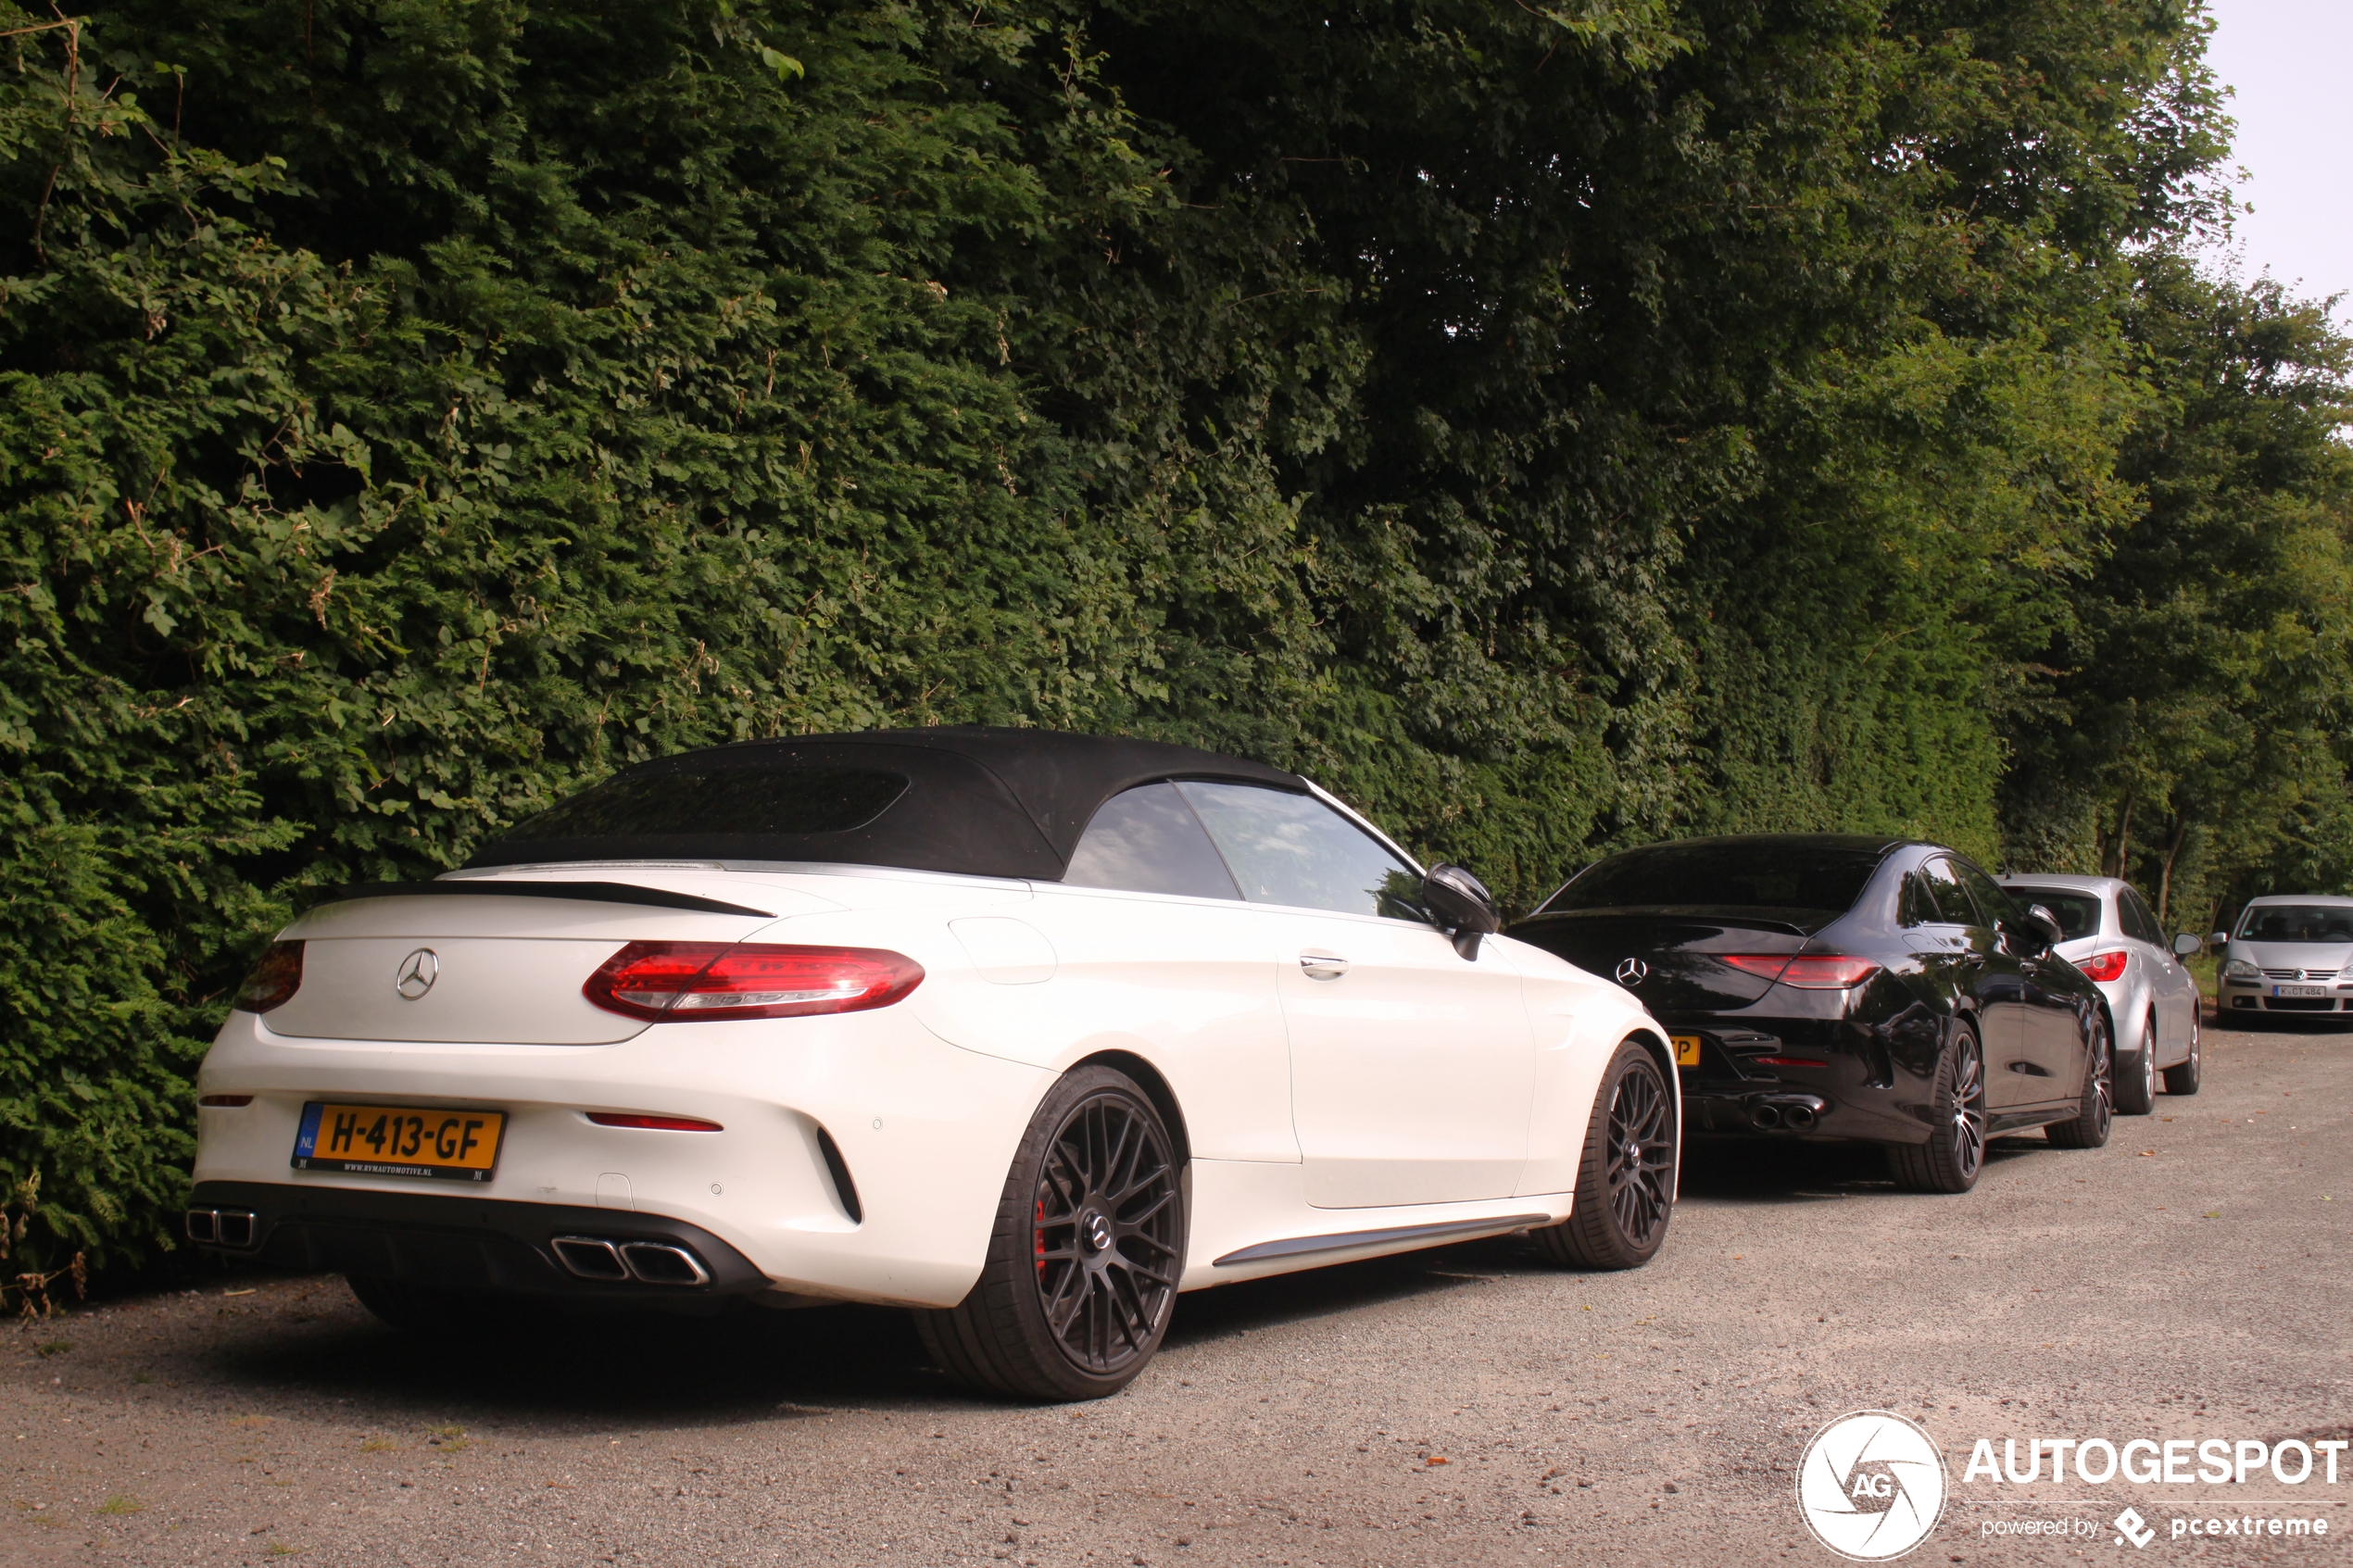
(1038,1236)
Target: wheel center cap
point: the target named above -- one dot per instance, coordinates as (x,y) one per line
(1095,1227)
(1634,1153)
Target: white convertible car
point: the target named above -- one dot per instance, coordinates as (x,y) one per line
(1027,1031)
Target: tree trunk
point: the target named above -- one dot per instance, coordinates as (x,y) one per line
(2115,861)
(2165,877)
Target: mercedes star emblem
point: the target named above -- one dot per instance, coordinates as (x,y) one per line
(418,971)
(1629,972)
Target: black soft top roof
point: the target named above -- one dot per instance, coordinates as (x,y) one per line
(980,800)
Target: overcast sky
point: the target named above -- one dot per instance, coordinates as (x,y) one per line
(2290,62)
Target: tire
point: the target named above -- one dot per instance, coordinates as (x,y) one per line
(2182,1080)
(1083,1259)
(2136,1075)
(429,1311)
(2095,1110)
(1626,1180)
(1953,1156)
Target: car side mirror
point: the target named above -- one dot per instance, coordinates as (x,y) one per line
(1462,906)
(2188,944)
(2221,939)
(2044,926)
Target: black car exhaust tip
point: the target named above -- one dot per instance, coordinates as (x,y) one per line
(1786,1113)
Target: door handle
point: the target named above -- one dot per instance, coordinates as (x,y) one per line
(1323,966)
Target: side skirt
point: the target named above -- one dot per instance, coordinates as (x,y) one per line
(1394,1235)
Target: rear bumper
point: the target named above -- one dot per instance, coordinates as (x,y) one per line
(922,1130)
(468,1243)
(1792,1111)
(2242,999)
(1870,1087)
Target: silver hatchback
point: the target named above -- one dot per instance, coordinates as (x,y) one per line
(2290,953)
(2152,998)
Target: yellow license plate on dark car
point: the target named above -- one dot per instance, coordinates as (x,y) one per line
(399,1140)
(1686,1050)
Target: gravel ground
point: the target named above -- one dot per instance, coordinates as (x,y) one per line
(1463,1406)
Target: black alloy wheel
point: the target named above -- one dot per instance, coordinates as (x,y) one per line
(1083,1260)
(2136,1075)
(2182,1080)
(2095,1110)
(1625,1180)
(1954,1155)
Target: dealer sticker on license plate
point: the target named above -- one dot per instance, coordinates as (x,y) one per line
(399,1140)
(1686,1050)
(2299,990)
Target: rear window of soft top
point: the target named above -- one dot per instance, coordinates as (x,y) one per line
(731,800)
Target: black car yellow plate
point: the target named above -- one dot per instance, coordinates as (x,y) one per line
(1686,1050)
(399,1140)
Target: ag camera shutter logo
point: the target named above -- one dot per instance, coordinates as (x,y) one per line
(1871,1486)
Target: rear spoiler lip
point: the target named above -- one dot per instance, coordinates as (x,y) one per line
(584,892)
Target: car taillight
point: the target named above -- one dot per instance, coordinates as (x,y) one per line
(273,981)
(1807,972)
(654,1123)
(675,981)
(2103,966)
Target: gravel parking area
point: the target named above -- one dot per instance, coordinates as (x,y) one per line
(1460,1406)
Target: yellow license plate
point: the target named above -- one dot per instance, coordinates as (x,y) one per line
(399,1140)
(1686,1050)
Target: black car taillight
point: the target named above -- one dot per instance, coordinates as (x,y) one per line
(678,982)
(1807,972)
(273,981)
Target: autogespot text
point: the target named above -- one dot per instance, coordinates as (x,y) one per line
(2147,1462)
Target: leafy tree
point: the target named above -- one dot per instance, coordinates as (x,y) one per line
(2199,723)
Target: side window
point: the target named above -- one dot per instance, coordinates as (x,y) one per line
(1916,905)
(1147,840)
(1286,848)
(2139,924)
(1994,904)
(1935,894)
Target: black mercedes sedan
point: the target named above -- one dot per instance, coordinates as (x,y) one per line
(1847,987)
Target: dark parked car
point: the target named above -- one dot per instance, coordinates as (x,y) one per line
(1847,987)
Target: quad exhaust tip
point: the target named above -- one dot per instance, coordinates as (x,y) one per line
(614,1262)
(1792,1115)
(221,1227)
